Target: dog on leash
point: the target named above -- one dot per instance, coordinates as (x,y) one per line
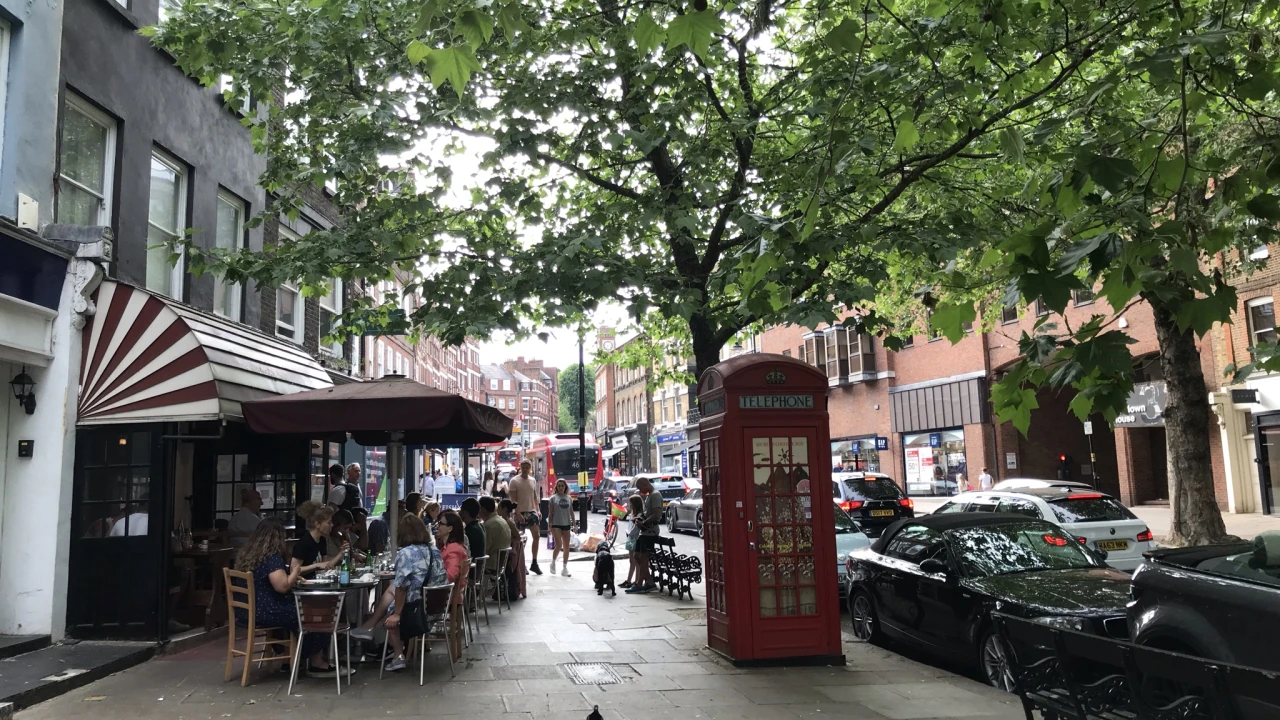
(603,575)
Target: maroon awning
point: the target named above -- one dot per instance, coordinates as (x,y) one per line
(372,410)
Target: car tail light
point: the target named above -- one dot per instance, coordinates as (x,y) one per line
(1082,540)
(1085,496)
(1056,541)
(1145,535)
(907,503)
(850,505)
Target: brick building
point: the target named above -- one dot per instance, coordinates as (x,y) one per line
(605,415)
(629,436)
(526,391)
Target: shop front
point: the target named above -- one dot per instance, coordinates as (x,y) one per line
(162,456)
(858,454)
(931,419)
(934,462)
(672,452)
(632,446)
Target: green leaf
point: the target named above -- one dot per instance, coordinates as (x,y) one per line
(1169,173)
(1201,313)
(476,27)
(1011,145)
(1264,206)
(695,30)
(417,51)
(907,136)
(453,65)
(648,34)
(845,37)
(511,20)
(1112,173)
(950,319)
(426,14)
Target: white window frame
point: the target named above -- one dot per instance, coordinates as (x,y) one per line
(84,107)
(222,288)
(5,37)
(331,302)
(1262,252)
(285,330)
(226,84)
(178,271)
(1253,331)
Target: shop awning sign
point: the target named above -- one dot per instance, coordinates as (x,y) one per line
(882,443)
(775,402)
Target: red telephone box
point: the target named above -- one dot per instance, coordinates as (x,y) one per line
(767,512)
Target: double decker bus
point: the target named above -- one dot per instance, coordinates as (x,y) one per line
(555,457)
(509,455)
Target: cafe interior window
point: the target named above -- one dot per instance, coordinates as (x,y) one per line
(234,472)
(117,480)
(1262,321)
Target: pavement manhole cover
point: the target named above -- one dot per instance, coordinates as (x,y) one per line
(592,674)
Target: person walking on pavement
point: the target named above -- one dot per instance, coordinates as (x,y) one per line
(524,493)
(428,486)
(649,530)
(985,480)
(560,518)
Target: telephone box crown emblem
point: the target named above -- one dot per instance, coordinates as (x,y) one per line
(775,377)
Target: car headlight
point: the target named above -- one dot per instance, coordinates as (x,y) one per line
(1064,622)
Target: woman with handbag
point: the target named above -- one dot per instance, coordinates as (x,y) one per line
(418,564)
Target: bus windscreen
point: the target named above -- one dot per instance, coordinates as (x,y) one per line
(565,462)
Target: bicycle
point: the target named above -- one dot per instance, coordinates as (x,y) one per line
(616,513)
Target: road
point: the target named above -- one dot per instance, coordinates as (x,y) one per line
(686,542)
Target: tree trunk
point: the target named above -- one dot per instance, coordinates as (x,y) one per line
(706,345)
(1187,422)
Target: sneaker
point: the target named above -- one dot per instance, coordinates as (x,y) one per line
(624,584)
(396,664)
(362,634)
(635,590)
(649,588)
(565,570)
(553,567)
(329,672)
(535,569)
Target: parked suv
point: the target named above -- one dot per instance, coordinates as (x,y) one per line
(616,488)
(873,500)
(670,486)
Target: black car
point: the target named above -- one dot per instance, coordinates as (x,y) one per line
(1220,602)
(685,513)
(616,489)
(873,500)
(933,581)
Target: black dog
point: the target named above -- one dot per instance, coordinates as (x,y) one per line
(603,574)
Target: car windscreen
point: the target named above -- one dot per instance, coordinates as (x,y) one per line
(872,488)
(1015,547)
(565,462)
(1089,509)
(844,524)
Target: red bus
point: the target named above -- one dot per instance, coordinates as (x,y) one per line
(555,457)
(509,455)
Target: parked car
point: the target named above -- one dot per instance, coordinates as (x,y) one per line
(670,486)
(616,488)
(1095,519)
(1028,483)
(873,500)
(685,513)
(849,537)
(933,581)
(1220,602)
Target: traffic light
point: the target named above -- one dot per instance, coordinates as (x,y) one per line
(1064,467)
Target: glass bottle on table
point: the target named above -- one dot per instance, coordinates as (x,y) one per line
(344,574)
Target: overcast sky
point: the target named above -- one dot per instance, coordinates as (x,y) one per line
(561,349)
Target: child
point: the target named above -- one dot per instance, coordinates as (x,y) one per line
(635,508)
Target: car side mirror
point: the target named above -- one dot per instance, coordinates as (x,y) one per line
(934,566)
(1099,553)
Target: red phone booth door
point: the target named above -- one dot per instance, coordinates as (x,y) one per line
(785,585)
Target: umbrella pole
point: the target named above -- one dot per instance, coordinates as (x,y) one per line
(395,460)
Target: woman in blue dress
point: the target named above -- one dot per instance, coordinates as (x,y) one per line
(263,555)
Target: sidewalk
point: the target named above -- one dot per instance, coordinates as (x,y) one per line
(1158,518)
(518,669)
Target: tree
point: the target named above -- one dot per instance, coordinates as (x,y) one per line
(772,161)
(573,416)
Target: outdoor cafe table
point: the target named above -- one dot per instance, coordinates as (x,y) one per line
(353,586)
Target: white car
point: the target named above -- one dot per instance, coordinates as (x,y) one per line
(1026,483)
(1096,519)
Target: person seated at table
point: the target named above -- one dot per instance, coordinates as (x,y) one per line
(340,535)
(470,514)
(380,529)
(432,515)
(244,522)
(516,567)
(262,555)
(497,537)
(452,539)
(418,565)
(414,503)
(311,553)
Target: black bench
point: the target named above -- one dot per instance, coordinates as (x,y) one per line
(672,571)
(1069,674)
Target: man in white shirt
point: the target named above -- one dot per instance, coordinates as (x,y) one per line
(428,486)
(985,481)
(244,522)
(135,521)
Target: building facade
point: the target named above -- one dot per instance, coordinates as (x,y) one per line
(527,391)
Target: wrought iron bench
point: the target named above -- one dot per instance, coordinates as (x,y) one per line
(672,571)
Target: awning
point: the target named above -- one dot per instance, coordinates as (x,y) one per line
(612,451)
(146,358)
(674,450)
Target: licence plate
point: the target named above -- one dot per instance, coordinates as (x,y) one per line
(881,513)
(1109,545)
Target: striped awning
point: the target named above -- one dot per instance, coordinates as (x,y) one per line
(146,358)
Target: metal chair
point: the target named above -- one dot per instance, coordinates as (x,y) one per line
(498,578)
(435,610)
(477,588)
(242,597)
(321,612)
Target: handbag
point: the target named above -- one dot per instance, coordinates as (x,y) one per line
(413,620)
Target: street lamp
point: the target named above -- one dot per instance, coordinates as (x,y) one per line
(24,389)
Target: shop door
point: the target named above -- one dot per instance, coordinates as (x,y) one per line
(116,575)
(785,587)
(1268,462)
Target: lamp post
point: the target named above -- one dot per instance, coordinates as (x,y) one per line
(584,477)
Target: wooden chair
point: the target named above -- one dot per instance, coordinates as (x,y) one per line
(321,612)
(257,639)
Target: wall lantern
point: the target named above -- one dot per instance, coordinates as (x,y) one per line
(24,389)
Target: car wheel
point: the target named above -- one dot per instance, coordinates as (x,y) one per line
(994,661)
(700,531)
(866,623)
(671,521)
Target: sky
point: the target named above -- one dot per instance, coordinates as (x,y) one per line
(561,348)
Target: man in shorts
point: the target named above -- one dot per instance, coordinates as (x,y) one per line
(523,490)
(650,523)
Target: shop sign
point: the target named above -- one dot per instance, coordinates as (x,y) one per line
(618,441)
(1244,397)
(671,438)
(1011,461)
(775,402)
(935,440)
(1145,407)
(712,407)
(882,443)
(684,463)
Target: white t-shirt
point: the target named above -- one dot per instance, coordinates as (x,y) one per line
(984,481)
(245,521)
(137,524)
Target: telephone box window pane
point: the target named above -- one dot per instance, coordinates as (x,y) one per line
(800,475)
(786,571)
(765,567)
(806,572)
(808,601)
(762,480)
(783,511)
(805,535)
(764,511)
(800,450)
(784,539)
(766,540)
(781,451)
(781,481)
(768,603)
(788,598)
(760,451)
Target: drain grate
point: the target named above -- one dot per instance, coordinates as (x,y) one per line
(592,674)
